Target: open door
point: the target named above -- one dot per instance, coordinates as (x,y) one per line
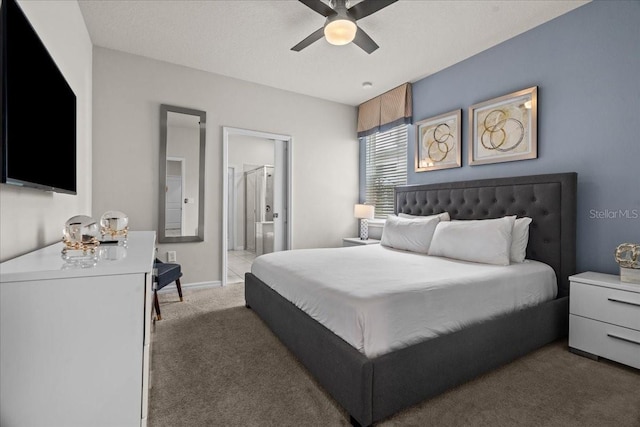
(280,194)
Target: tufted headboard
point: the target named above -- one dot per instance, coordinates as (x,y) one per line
(550,200)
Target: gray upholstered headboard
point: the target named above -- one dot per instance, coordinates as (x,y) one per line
(550,200)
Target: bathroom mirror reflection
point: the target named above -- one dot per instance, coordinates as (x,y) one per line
(182,148)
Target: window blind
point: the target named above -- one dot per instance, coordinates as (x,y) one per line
(386,167)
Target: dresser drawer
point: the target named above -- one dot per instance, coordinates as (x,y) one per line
(608,305)
(605,340)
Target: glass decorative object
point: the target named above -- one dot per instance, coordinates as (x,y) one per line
(628,257)
(114,226)
(112,252)
(80,238)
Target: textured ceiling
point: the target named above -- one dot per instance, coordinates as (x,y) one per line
(251,39)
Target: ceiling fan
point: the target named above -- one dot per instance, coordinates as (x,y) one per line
(340,27)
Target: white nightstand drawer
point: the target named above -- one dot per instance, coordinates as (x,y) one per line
(605,304)
(605,340)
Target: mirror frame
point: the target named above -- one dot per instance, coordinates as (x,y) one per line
(162,235)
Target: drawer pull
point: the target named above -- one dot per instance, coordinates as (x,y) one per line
(624,339)
(624,302)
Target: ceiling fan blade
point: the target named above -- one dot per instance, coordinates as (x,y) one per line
(364,41)
(367,7)
(320,7)
(315,36)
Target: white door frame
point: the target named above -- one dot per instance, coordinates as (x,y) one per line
(288,141)
(231,221)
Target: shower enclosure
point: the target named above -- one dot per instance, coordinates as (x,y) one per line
(259,210)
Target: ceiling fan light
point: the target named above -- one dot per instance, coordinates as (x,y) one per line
(340,31)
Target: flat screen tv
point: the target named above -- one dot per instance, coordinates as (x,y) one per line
(38,110)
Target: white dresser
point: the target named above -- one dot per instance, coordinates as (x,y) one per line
(604,318)
(75,342)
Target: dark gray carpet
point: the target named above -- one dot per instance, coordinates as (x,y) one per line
(214,363)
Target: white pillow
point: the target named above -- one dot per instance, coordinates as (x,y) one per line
(408,235)
(486,241)
(444,216)
(520,239)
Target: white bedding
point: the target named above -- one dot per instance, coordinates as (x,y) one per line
(380,299)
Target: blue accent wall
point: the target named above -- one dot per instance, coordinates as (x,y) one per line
(586,65)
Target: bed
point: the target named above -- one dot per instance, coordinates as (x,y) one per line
(373,387)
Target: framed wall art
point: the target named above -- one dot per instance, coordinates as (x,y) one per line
(503,129)
(438,142)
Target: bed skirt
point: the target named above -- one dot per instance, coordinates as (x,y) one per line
(373,389)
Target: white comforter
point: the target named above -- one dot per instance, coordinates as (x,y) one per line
(380,299)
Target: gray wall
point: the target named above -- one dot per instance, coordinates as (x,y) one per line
(31,219)
(128,90)
(586,65)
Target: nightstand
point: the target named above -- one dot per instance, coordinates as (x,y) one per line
(604,318)
(355,241)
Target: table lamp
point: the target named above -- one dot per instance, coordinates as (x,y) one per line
(363,213)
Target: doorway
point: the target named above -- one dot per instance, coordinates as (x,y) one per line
(256,198)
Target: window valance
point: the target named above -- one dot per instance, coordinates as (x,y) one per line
(386,111)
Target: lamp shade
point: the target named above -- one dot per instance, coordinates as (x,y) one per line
(363,211)
(340,30)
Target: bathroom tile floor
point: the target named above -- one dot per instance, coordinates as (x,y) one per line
(238,263)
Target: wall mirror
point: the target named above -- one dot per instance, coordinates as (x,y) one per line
(182,145)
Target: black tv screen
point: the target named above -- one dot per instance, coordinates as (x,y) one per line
(38,110)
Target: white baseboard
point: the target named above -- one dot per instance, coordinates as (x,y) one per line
(191,286)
